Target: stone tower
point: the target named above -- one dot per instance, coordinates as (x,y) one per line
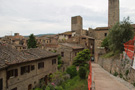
(113,12)
(76,23)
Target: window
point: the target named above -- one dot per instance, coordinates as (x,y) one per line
(105,34)
(53,61)
(40,65)
(14,88)
(1,84)
(25,69)
(12,73)
(75,53)
(30,87)
(62,54)
(32,67)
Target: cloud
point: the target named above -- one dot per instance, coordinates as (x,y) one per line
(51,16)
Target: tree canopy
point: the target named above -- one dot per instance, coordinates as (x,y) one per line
(82,58)
(32,42)
(118,35)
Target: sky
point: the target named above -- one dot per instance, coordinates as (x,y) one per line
(54,16)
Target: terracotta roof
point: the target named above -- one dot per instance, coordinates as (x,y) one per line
(10,56)
(51,45)
(73,46)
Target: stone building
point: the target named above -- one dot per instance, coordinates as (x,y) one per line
(68,52)
(25,70)
(76,24)
(17,41)
(63,37)
(113,12)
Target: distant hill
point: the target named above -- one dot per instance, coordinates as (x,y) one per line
(39,35)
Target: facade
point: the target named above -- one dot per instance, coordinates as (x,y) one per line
(25,70)
(68,52)
(113,15)
(99,35)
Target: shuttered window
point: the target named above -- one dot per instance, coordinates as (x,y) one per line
(25,69)
(53,61)
(62,54)
(32,67)
(12,73)
(40,65)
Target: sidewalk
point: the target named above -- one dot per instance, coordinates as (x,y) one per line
(105,81)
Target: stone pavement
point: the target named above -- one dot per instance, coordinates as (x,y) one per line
(105,81)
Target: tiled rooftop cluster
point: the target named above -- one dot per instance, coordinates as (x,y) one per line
(9,56)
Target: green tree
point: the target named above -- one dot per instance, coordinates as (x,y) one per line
(82,72)
(105,44)
(82,58)
(32,42)
(72,71)
(59,62)
(119,34)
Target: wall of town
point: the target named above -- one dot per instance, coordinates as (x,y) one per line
(122,67)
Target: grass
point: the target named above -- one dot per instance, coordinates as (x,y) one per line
(75,84)
(110,54)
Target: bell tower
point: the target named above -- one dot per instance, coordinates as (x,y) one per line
(113,12)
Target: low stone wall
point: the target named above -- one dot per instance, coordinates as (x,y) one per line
(122,67)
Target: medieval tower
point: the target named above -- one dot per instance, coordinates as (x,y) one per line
(76,24)
(113,12)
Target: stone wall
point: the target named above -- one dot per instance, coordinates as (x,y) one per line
(121,66)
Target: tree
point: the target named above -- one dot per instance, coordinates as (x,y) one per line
(59,62)
(119,34)
(82,72)
(72,71)
(105,44)
(32,42)
(82,58)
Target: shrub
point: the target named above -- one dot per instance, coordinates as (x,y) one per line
(134,84)
(59,88)
(72,71)
(38,89)
(121,76)
(127,72)
(50,87)
(86,66)
(115,74)
(82,72)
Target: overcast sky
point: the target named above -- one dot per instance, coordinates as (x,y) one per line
(54,16)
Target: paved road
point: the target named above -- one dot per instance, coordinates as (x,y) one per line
(105,81)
